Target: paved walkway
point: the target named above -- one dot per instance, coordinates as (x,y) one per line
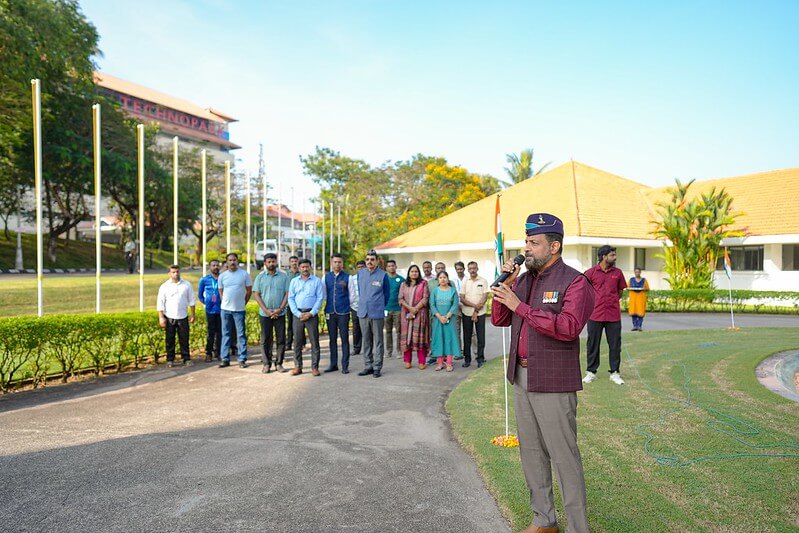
(209,449)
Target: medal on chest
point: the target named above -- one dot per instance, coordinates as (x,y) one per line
(550,297)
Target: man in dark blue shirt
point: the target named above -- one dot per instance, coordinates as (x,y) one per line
(337,312)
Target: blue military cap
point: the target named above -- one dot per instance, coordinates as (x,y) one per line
(543,223)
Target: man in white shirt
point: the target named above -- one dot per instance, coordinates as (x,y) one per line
(235,289)
(457,283)
(357,337)
(474,293)
(175,306)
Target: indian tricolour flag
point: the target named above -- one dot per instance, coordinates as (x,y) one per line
(727,265)
(500,243)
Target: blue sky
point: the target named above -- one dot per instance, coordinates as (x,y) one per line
(649,92)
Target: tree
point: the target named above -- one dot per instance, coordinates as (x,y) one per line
(521,166)
(380,203)
(52,41)
(693,229)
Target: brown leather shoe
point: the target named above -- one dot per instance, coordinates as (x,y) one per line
(422,366)
(296,371)
(407,365)
(315,372)
(538,529)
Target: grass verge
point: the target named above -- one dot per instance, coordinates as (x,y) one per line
(76,254)
(76,293)
(692,442)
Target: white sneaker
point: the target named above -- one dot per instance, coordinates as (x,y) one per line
(589,377)
(615,377)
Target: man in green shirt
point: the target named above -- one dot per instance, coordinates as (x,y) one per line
(393,309)
(270,291)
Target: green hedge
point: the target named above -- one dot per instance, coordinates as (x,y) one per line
(715,300)
(710,300)
(33,349)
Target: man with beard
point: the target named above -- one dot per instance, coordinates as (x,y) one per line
(546,307)
(609,283)
(208,294)
(271,291)
(305,298)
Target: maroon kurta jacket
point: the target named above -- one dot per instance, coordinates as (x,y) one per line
(546,326)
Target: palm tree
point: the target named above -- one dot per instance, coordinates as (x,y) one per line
(695,229)
(521,166)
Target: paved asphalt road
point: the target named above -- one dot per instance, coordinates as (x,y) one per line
(209,449)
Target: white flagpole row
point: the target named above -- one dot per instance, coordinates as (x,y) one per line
(97,177)
(140,131)
(37,180)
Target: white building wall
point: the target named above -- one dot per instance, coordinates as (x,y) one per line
(579,256)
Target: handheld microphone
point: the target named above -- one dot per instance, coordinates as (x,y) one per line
(518,260)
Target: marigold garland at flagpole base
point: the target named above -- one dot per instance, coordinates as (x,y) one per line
(506,441)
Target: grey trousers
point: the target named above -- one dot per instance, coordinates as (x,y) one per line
(391,326)
(548,436)
(372,328)
(312,327)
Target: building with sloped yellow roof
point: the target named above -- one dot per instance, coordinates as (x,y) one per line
(600,208)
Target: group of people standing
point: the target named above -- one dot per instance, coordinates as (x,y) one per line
(425,313)
(435,316)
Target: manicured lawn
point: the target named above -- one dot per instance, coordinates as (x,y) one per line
(76,293)
(75,254)
(692,442)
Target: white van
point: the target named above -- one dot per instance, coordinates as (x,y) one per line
(270,245)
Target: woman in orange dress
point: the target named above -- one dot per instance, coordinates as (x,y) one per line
(638,288)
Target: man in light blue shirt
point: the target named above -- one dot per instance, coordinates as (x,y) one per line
(305,298)
(271,291)
(235,289)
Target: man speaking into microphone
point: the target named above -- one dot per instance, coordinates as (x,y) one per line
(547,308)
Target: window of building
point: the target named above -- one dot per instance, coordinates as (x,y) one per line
(790,256)
(743,258)
(640,258)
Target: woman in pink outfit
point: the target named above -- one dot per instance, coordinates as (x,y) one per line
(415,323)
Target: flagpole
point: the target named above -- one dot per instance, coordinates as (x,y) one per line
(140,131)
(37,181)
(247,216)
(175,200)
(279,225)
(97,231)
(504,380)
(338,224)
(729,287)
(227,207)
(204,208)
(323,237)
